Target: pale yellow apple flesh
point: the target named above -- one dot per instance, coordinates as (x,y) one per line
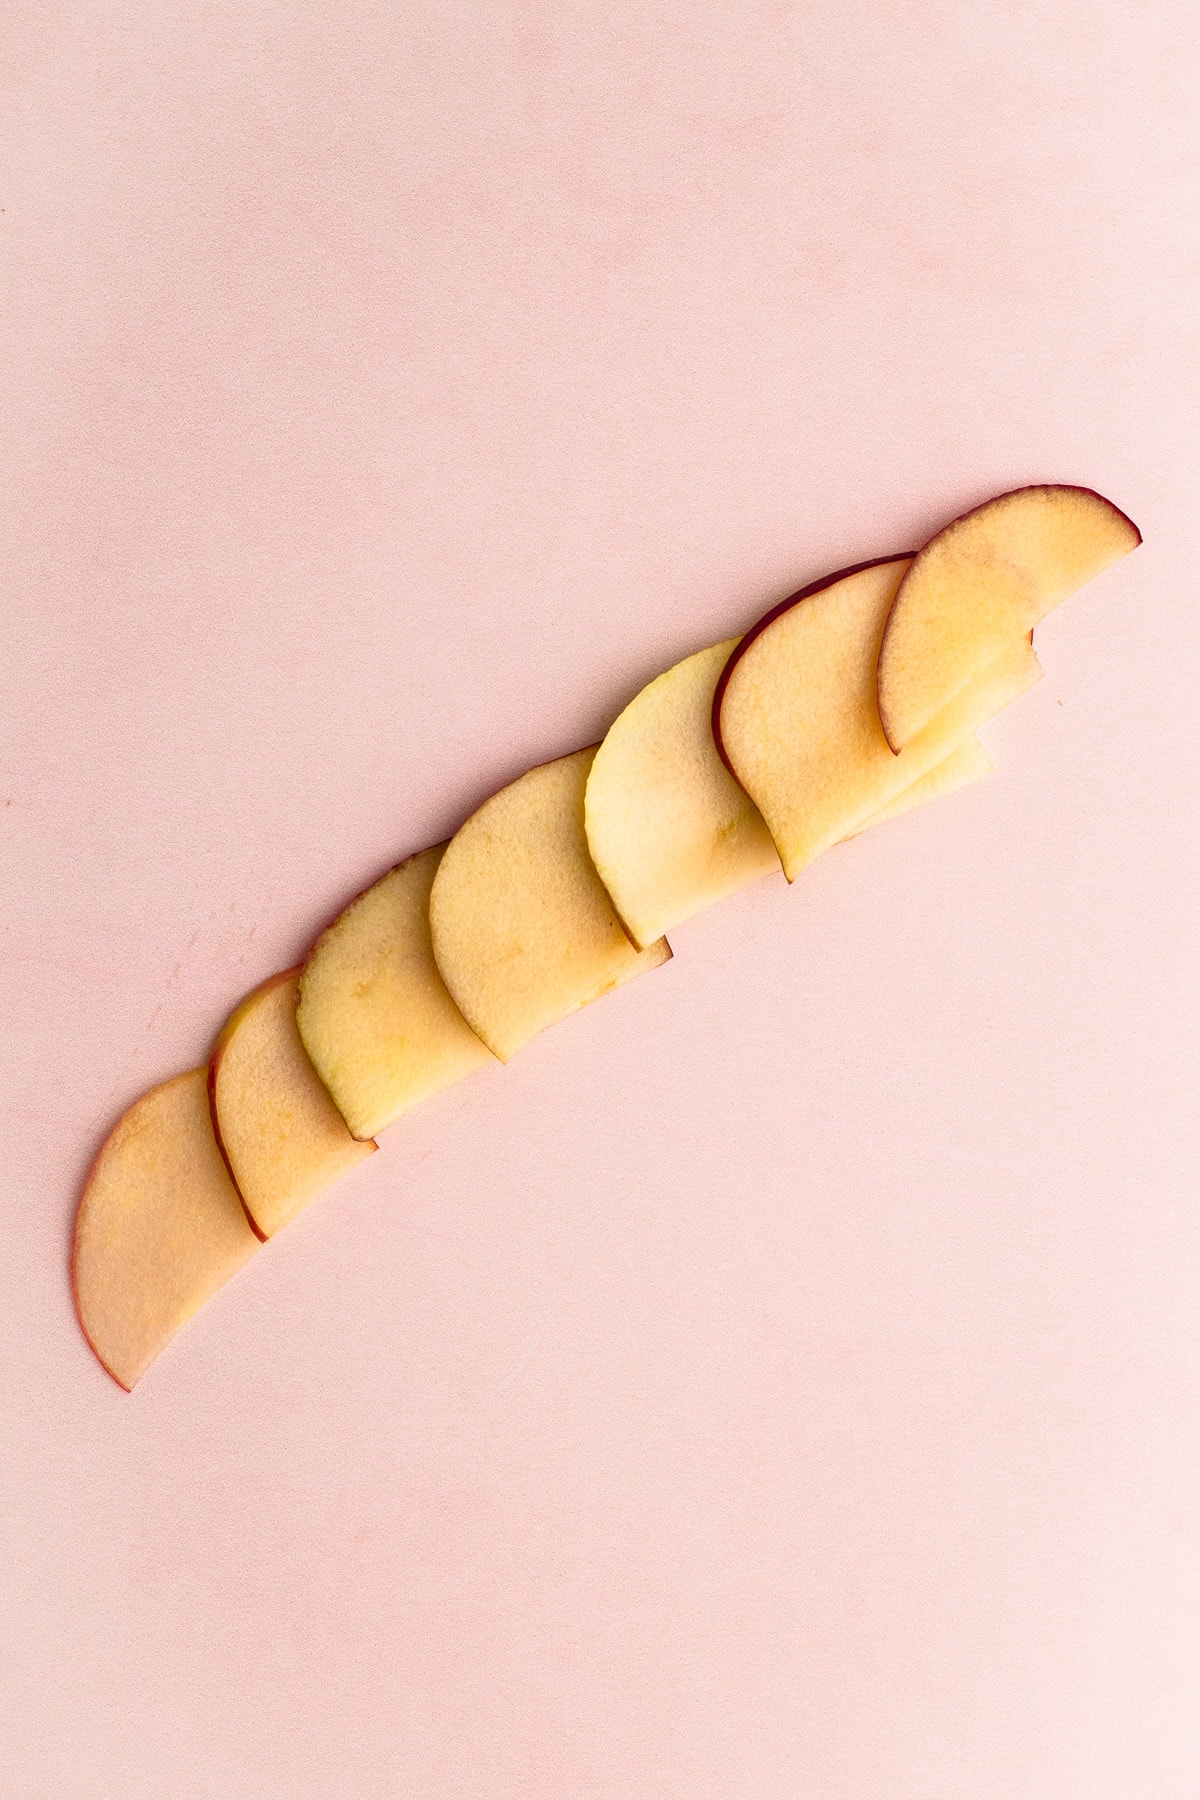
(159,1228)
(962,766)
(849,704)
(669,829)
(374,1014)
(283,1138)
(797,723)
(983,581)
(523,929)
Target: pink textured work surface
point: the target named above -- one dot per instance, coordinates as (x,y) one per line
(784,1378)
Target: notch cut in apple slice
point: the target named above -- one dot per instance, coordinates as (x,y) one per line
(281,1135)
(983,581)
(523,930)
(796,721)
(159,1228)
(373,1012)
(668,828)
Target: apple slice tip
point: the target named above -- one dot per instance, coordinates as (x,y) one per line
(93,1346)
(1075,487)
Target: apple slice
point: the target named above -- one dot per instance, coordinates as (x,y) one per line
(964,765)
(984,580)
(374,1015)
(668,828)
(281,1135)
(523,930)
(159,1228)
(795,718)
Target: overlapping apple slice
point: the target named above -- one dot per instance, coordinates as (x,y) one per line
(982,582)
(281,1135)
(159,1228)
(523,930)
(795,715)
(373,1012)
(668,828)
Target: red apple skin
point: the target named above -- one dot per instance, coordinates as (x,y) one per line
(89,1340)
(1058,487)
(805,593)
(214,1064)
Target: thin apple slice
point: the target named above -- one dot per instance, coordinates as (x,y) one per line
(281,1135)
(523,930)
(962,766)
(796,721)
(159,1228)
(669,829)
(984,580)
(373,1013)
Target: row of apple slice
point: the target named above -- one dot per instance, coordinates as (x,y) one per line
(855,699)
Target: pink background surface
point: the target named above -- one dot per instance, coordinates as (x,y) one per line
(784,1379)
